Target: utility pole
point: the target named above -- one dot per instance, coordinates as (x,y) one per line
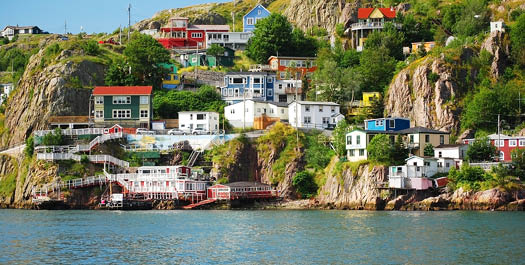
(65,27)
(244,109)
(129,21)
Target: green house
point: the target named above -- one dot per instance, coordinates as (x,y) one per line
(128,106)
(212,61)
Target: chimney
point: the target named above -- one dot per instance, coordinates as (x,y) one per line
(391,8)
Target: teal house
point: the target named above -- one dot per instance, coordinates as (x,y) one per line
(210,60)
(127,106)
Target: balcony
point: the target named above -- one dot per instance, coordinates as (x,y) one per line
(260,68)
(372,25)
(291,90)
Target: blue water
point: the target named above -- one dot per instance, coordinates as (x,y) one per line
(261,237)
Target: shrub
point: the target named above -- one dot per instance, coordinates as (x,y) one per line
(30,146)
(379,149)
(305,185)
(91,47)
(53,138)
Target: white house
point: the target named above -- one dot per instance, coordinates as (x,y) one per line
(284,90)
(234,40)
(497,26)
(189,120)
(5,90)
(356,145)
(10,31)
(253,109)
(414,174)
(313,114)
(451,154)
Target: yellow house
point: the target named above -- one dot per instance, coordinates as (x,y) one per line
(429,45)
(368,97)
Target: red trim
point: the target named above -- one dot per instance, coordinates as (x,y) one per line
(364,13)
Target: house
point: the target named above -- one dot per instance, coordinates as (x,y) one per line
(255,110)
(239,86)
(387,124)
(506,145)
(233,40)
(129,106)
(202,59)
(285,90)
(369,20)
(5,90)
(428,45)
(171,79)
(415,138)
(497,26)
(10,31)
(282,65)
(454,154)
(241,190)
(180,34)
(362,105)
(207,120)
(414,175)
(250,19)
(314,114)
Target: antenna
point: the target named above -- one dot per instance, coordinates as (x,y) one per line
(65,27)
(129,20)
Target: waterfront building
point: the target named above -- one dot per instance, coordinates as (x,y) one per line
(314,114)
(208,121)
(257,113)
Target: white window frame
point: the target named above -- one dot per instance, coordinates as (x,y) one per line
(121,100)
(522,142)
(306,108)
(196,35)
(121,114)
(99,114)
(349,140)
(144,113)
(144,100)
(307,120)
(513,143)
(99,100)
(249,21)
(270,92)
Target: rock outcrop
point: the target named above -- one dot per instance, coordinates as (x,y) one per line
(323,13)
(424,95)
(497,44)
(356,190)
(50,91)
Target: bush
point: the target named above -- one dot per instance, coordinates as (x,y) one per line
(317,155)
(30,146)
(379,149)
(469,178)
(305,185)
(53,138)
(91,47)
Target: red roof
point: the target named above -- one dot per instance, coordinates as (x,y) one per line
(122,90)
(364,13)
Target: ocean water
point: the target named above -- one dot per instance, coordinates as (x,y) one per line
(261,237)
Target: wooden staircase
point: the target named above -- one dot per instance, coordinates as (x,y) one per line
(195,205)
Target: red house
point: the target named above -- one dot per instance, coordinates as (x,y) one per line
(241,190)
(180,34)
(506,145)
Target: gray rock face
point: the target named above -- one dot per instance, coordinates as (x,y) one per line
(497,44)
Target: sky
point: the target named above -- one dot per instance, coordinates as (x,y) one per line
(92,15)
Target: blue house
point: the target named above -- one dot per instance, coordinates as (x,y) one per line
(248,85)
(250,19)
(387,124)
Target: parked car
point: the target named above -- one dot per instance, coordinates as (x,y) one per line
(176,132)
(144,131)
(199,131)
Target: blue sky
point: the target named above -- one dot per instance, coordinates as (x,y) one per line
(93,15)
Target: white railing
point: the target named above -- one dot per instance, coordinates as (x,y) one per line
(42,194)
(92,158)
(372,25)
(85,131)
(489,165)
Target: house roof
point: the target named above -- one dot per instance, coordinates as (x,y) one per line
(388,118)
(68,119)
(315,103)
(122,90)
(209,27)
(449,146)
(420,130)
(21,27)
(248,73)
(364,13)
(259,5)
(278,104)
(291,58)
(198,112)
(422,157)
(246,184)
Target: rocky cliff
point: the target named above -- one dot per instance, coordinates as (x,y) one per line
(50,90)
(352,188)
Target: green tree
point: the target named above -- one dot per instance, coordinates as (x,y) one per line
(53,138)
(481,150)
(390,39)
(377,108)
(317,154)
(30,146)
(475,17)
(144,54)
(339,136)
(380,149)
(215,50)
(518,163)
(305,185)
(337,84)
(118,74)
(429,150)
(90,47)
(377,69)
(517,38)
(400,151)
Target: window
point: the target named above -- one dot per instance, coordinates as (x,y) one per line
(270,92)
(440,154)
(358,139)
(379,122)
(501,143)
(326,120)
(307,108)
(196,35)
(237,80)
(121,100)
(522,142)
(121,114)
(411,139)
(270,79)
(333,109)
(259,110)
(501,155)
(512,143)
(427,138)
(307,119)
(194,59)
(441,139)
(144,113)
(201,117)
(440,164)
(99,100)
(256,80)
(320,108)
(392,123)
(282,111)
(361,152)
(249,21)
(352,152)
(349,140)
(271,111)
(448,165)
(259,12)
(144,100)
(99,114)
